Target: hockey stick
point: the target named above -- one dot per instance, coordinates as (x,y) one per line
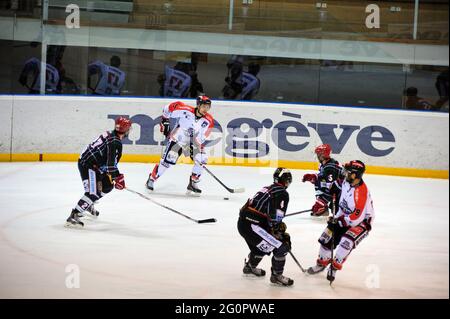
(231,190)
(297,213)
(296,261)
(201,221)
(333,223)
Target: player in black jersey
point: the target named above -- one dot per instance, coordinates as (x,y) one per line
(260,223)
(98,170)
(327,181)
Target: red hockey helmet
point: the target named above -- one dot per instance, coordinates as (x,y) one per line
(123,125)
(323,150)
(203,99)
(355,167)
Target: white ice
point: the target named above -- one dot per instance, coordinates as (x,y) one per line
(136,249)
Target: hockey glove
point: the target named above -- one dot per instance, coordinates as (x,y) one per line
(279,228)
(341,221)
(164,126)
(319,206)
(312,178)
(119,182)
(287,240)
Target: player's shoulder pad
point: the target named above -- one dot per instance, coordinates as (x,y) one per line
(184,107)
(210,118)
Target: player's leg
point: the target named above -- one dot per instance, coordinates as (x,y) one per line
(169,158)
(104,186)
(325,241)
(200,159)
(348,242)
(256,254)
(89,178)
(278,262)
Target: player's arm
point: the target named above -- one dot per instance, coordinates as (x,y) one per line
(114,153)
(168,112)
(325,183)
(280,203)
(358,214)
(279,206)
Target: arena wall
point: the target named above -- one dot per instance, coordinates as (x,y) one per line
(392,142)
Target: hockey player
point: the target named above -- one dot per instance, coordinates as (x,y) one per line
(98,170)
(326,182)
(260,223)
(193,126)
(110,78)
(351,224)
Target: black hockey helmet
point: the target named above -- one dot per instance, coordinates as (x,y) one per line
(203,99)
(282,176)
(355,167)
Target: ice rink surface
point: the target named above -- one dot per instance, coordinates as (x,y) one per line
(136,249)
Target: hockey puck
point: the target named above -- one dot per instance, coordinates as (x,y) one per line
(226,198)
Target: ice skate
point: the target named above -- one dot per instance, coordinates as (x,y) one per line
(281,280)
(192,188)
(149,184)
(249,270)
(315,269)
(331,275)
(73,220)
(93,213)
(324,213)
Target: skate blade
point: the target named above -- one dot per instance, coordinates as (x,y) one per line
(279,284)
(252,276)
(192,194)
(93,217)
(74,226)
(320,218)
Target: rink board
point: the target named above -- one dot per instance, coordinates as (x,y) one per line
(396,142)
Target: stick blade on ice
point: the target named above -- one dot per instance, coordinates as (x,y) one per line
(209,220)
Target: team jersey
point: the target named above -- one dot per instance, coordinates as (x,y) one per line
(104,154)
(110,81)
(267,207)
(250,84)
(329,180)
(33,66)
(355,204)
(188,127)
(177,83)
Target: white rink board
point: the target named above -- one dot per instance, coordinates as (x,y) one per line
(5,126)
(66,124)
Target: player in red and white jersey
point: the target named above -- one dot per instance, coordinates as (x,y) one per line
(110,78)
(352,222)
(192,128)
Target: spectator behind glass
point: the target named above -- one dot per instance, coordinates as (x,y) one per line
(241,85)
(30,77)
(180,81)
(414,102)
(233,86)
(442,88)
(110,79)
(250,82)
